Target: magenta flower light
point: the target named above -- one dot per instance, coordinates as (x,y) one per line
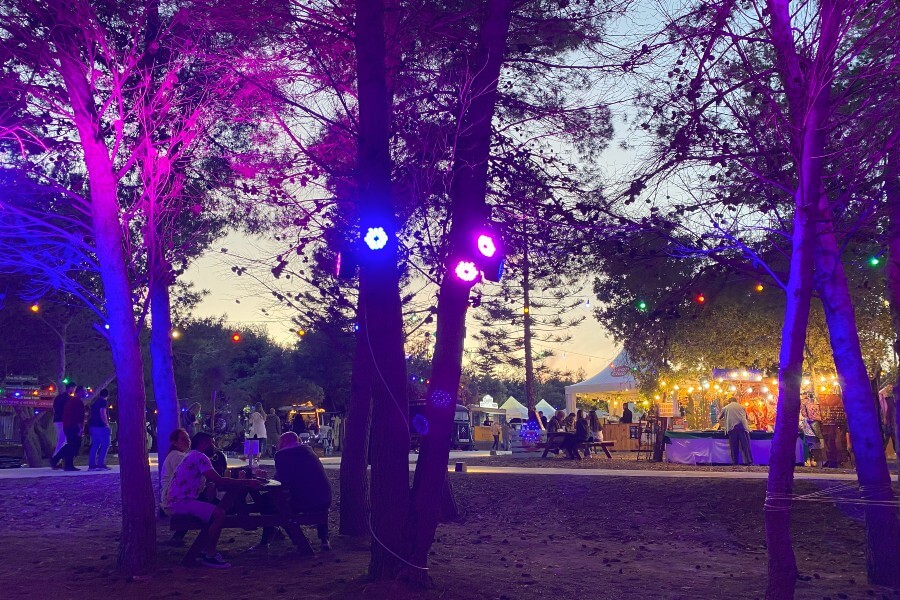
(486,245)
(466,270)
(376,238)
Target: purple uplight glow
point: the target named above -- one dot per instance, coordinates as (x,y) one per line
(466,270)
(486,245)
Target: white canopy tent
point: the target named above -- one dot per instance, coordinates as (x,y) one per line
(615,380)
(514,409)
(544,407)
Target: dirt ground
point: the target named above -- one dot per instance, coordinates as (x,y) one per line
(521,537)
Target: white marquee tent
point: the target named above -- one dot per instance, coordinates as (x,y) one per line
(544,407)
(514,409)
(615,380)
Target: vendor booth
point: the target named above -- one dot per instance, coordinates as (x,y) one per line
(485,410)
(616,385)
(514,409)
(711,448)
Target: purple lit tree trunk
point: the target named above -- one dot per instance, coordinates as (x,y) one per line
(162,371)
(379,288)
(882,526)
(137,549)
(807,90)
(892,197)
(354,453)
(468,211)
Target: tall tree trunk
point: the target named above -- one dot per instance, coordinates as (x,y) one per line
(137,547)
(807,89)
(892,194)
(379,288)
(882,526)
(354,454)
(468,211)
(526,333)
(162,370)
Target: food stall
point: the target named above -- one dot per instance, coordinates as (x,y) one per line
(701,441)
(616,386)
(485,410)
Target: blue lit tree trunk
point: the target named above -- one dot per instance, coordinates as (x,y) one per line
(892,196)
(468,212)
(379,288)
(137,546)
(354,453)
(807,91)
(162,371)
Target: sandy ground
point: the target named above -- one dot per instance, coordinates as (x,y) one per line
(521,537)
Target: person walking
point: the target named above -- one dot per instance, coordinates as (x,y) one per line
(98,427)
(273,430)
(73,427)
(59,404)
(734,422)
(496,431)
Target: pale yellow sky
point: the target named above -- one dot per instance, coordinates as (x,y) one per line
(242,300)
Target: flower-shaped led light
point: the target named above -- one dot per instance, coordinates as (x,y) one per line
(466,270)
(376,238)
(486,245)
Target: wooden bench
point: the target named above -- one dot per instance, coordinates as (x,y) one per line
(250,522)
(555,441)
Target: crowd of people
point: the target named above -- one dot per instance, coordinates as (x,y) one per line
(578,429)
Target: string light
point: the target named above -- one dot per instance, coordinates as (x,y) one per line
(35,307)
(759,287)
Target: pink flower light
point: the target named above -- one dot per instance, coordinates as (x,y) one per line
(486,245)
(466,270)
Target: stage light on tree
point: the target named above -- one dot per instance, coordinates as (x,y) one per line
(486,245)
(376,238)
(466,270)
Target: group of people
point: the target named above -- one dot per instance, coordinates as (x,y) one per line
(192,480)
(69,421)
(578,429)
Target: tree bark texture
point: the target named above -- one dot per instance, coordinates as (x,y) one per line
(808,106)
(379,290)
(31,443)
(468,212)
(162,370)
(354,454)
(137,549)
(892,195)
(526,330)
(882,526)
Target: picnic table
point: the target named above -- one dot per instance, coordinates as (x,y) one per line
(556,439)
(247,516)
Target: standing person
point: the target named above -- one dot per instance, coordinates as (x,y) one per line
(98,427)
(298,425)
(811,423)
(273,430)
(183,495)
(190,419)
(258,427)
(543,419)
(736,427)
(596,429)
(59,404)
(73,427)
(496,431)
(627,416)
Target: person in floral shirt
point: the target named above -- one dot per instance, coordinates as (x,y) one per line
(183,497)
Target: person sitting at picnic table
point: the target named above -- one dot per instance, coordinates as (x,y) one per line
(556,422)
(301,472)
(183,497)
(580,435)
(570,423)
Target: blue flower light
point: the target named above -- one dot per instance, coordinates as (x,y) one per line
(376,238)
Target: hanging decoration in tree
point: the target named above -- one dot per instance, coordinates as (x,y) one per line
(376,238)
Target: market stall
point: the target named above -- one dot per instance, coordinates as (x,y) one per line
(485,410)
(614,384)
(544,407)
(711,448)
